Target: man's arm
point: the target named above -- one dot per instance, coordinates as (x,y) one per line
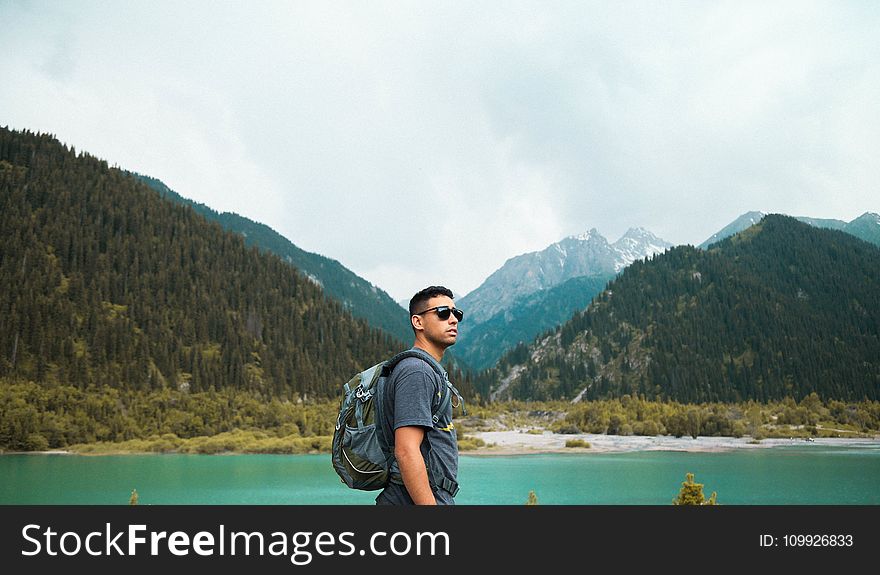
(407,442)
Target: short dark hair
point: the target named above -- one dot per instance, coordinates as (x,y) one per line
(419,300)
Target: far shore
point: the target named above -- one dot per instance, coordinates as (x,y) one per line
(523,443)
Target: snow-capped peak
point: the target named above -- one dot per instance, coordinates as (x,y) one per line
(587,236)
(586,254)
(637,243)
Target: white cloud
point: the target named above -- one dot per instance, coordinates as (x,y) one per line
(427,143)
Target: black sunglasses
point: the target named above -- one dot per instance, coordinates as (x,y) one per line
(443,312)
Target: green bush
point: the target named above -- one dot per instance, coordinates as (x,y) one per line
(469,443)
(577,443)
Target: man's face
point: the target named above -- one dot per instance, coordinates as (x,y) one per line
(440,332)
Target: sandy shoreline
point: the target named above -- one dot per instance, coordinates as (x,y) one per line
(521,443)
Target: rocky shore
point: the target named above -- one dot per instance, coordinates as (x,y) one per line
(521,442)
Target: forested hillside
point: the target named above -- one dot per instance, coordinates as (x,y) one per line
(104,284)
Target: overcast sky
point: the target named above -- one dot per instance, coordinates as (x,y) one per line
(427,142)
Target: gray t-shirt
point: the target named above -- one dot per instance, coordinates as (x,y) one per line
(416,394)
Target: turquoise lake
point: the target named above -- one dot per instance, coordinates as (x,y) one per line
(802,475)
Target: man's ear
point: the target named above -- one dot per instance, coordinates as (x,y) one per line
(416,321)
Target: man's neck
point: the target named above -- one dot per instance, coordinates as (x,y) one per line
(434,351)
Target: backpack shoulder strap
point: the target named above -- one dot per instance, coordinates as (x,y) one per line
(445,397)
(415,352)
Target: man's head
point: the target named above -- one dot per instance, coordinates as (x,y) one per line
(434,317)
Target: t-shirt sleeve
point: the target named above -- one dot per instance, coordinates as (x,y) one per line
(413,397)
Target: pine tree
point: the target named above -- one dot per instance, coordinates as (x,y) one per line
(691,493)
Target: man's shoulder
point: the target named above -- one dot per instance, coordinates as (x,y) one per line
(409,366)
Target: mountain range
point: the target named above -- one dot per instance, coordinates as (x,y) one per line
(865,227)
(782,309)
(529,294)
(535,291)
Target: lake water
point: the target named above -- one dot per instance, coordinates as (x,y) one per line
(768,476)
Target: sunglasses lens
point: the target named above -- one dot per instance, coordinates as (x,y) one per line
(443,313)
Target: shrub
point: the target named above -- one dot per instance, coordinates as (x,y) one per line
(577,443)
(469,443)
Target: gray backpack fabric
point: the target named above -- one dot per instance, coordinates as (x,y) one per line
(363,442)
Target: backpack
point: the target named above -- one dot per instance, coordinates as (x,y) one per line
(363,442)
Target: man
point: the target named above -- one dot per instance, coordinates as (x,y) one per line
(426,452)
